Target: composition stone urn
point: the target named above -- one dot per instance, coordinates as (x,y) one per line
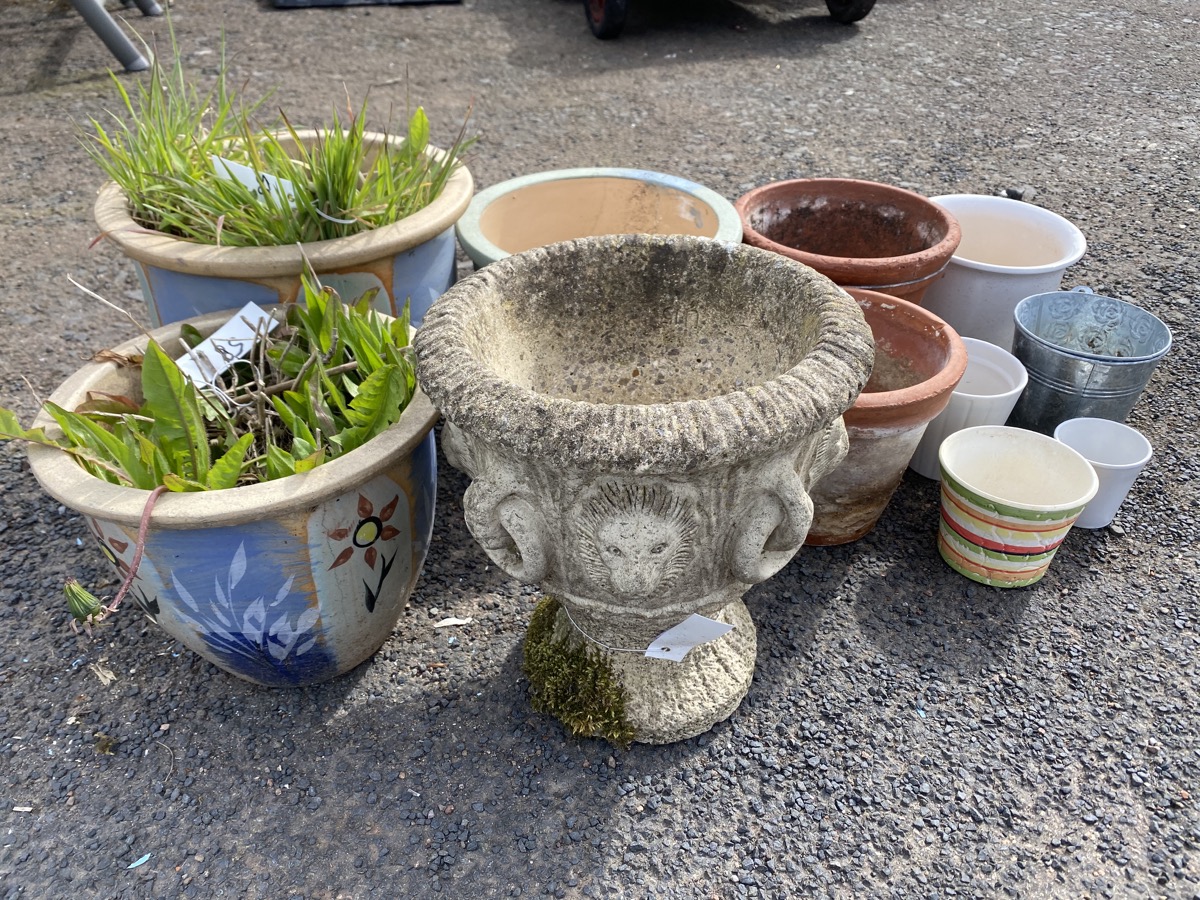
(642,418)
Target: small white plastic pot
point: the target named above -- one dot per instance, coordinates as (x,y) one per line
(1117,452)
(986,395)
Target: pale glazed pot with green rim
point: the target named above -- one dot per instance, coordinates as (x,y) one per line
(564,204)
(1008,499)
(410,260)
(283,583)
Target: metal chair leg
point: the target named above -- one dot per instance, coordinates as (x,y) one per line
(148,7)
(97,17)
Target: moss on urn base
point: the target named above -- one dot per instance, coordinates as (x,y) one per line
(572,682)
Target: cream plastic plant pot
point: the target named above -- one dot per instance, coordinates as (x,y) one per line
(637,457)
(412,259)
(547,207)
(283,583)
(1009,251)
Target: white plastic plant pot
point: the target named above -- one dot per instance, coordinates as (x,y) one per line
(987,393)
(1117,452)
(1009,250)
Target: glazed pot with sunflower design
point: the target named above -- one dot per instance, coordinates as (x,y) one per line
(284,583)
(642,418)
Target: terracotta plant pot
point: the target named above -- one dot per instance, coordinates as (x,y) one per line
(283,583)
(919,360)
(412,259)
(547,207)
(859,233)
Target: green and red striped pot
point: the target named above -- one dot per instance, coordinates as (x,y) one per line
(1009,497)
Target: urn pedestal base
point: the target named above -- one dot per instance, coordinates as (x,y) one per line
(668,701)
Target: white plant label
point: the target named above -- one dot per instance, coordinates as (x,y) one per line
(259,182)
(225,346)
(675,643)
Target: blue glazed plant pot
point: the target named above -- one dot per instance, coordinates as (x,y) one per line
(565,204)
(412,259)
(284,583)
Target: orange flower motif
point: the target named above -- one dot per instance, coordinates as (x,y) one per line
(111,547)
(370,529)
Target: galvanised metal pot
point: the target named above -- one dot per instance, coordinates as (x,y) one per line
(1087,356)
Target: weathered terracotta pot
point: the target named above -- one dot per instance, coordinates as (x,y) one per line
(636,454)
(565,204)
(412,259)
(919,360)
(284,583)
(862,234)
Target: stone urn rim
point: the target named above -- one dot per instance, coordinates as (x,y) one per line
(165,251)
(665,437)
(909,267)
(62,478)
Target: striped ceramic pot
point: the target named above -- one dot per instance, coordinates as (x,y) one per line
(1009,497)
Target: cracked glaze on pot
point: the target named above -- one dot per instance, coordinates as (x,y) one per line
(643,417)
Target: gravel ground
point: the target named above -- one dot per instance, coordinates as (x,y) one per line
(908,734)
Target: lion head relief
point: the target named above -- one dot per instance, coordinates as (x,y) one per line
(635,538)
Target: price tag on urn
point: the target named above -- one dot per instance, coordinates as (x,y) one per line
(675,643)
(225,346)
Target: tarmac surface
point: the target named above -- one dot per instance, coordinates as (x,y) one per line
(908,733)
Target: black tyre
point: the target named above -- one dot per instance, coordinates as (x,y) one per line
(847,11)
(606,18)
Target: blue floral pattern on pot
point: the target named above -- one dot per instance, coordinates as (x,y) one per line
(254,620)
(296,599)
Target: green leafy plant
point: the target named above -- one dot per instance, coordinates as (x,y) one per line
(165,149)
(325,380)
(329,378)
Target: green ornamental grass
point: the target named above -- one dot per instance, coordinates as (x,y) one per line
(329,378)
(164,148)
